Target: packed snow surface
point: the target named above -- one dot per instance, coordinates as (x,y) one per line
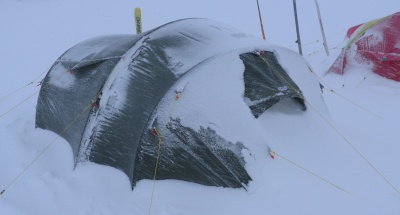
(317,167)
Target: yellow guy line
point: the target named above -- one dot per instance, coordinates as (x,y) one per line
(353,147)
(17,90)
(310,172)
(26,99)
(333,127)
(159,135)
(46,148)
(54,140)
(352,102)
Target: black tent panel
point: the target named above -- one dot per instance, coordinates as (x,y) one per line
(72,83)
(267,83)
(118,132)
(199,156)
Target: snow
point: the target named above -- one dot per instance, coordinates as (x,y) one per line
(59,78)
(362,112)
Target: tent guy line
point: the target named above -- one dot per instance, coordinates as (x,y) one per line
(312,173)
(329,89)
(329,36)
(159,135)
(352,102)
(30,96)
(354,148)
(21,88)
(337,131)
(17,105)
(45,149)
(17,90)
(89,105)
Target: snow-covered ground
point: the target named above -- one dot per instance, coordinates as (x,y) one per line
(363,114)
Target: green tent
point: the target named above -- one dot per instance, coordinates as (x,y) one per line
(103,97)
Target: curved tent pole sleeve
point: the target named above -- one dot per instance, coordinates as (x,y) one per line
(364,28)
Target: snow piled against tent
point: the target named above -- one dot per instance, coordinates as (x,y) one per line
(51,186)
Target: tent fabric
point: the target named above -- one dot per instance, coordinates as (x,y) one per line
(267,83)
(200,156)
(74,79)
(123,78)
(374,43)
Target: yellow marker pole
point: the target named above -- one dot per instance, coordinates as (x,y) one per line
(138,20)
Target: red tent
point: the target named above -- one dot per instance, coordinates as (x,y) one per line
(376,43)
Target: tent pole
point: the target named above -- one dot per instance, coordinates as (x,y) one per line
(322,28)
(297,27)
(259,15)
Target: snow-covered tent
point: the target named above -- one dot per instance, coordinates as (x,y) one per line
(116,99)
(375,43)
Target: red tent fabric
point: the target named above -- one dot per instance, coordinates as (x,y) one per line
(376,43)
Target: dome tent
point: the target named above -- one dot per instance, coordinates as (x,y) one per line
(131,85)
(374,43)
